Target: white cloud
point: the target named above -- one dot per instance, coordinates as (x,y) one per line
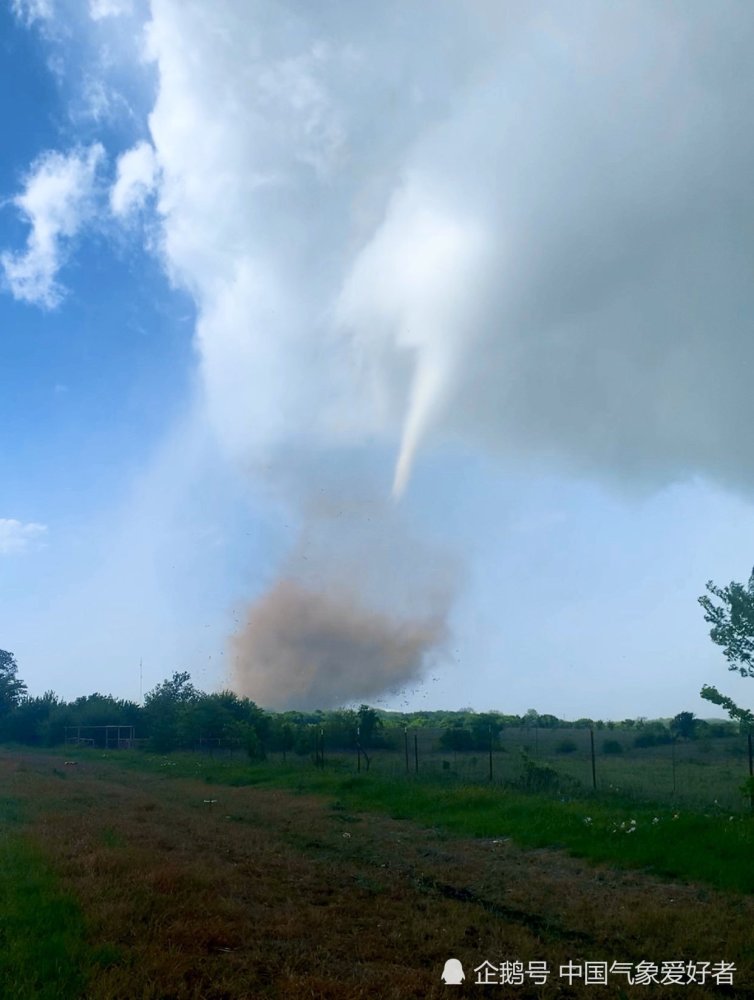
(275,159)
(15,536)
(97,102)
(29,11)
(534,240)
(587,174)
(99,9)
(56,201)
(136,177)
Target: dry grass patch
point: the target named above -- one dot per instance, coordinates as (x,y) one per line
(272,894)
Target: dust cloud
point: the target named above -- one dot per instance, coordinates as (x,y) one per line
(307,650)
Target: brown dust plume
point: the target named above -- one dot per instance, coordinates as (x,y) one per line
(303,649)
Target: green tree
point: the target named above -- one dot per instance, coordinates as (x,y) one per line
(282,734)
(29,721)
(684,725)
(743,716)
(457,738)
(548,721)
(732,622)
(485,728)
(178,690)
(731,616)
(340,728)
(103,710)
(652,734)
(12,689)
(369,725)
(165,709)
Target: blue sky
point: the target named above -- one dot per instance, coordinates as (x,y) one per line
(332,372)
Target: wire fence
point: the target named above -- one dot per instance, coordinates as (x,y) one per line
(709,773)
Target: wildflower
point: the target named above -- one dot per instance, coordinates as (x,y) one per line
(346,836)
(675,815)
(587,820)
(655,820)
(631,829)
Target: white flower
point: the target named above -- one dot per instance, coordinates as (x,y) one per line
(656,820)
(346,836)
(587,819)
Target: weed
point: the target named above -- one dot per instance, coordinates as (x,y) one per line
(42,953)
(111,838)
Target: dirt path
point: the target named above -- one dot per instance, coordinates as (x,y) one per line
(271,894)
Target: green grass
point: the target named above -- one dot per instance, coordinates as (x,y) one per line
(41,928)
(682,844)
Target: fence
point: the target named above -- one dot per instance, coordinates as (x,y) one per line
(707,773)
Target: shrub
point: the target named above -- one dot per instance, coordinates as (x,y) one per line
(538,777)
(612,746)
(566,746)
(747,788)
(457,738)
(653,739)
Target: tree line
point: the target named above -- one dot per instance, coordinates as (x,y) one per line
(176,715)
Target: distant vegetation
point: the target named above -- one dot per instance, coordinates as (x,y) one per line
(175,716)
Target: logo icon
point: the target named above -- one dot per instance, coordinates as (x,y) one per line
(453,974)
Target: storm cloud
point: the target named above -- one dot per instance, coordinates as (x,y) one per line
(525,226)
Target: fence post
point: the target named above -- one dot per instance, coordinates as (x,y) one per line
(594,769)
(416,753)
(672,744)
(490,753)
(751,771)
(405,740)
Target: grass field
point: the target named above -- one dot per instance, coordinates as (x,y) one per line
(134,876)
(694,774)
